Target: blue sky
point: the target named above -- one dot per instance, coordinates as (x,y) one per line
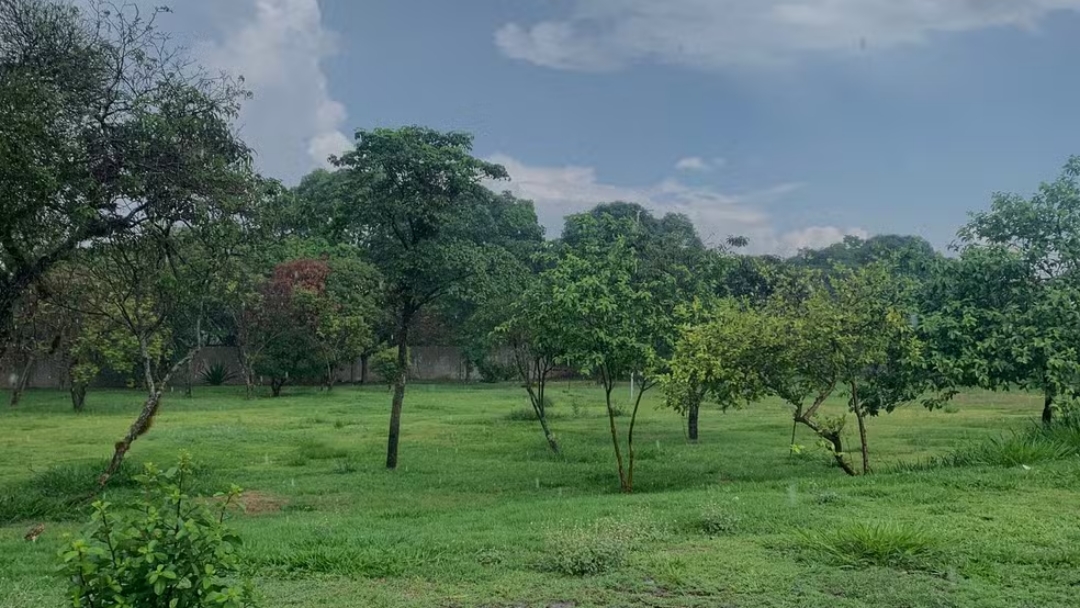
(793,122)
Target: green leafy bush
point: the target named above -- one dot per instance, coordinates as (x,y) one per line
(715,521)
(384,363)
(597,548)
(169,551)
(492,371)
(216,374)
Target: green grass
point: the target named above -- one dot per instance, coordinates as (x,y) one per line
(479,513)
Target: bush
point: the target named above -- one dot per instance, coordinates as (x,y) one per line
(493,371)
(59,493)
(384,363)
(889,545)
(715,521)
(170,551)
(595,549)
(216,374)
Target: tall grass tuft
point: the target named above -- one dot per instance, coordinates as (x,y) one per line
(885,544)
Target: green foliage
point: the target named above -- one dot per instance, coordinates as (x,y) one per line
(68,157)
(881,544)
(171,550)
(58,493)
(590,550)
(493,371)
(717,520)
(216,374)
(385,364)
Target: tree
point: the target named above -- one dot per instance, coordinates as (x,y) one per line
(104,127)
(715,358)
(852,332)
(531,330)
(1005,312)
(417,207)
(607,328)
(312,316)
(910,256)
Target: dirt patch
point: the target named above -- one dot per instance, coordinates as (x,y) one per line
(261,503)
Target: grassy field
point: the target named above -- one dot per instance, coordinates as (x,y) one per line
(480,514)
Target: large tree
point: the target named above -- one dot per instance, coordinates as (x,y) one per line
(1005,312)
(103,126)
(420,210)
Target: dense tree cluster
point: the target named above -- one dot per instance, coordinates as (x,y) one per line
(134,232)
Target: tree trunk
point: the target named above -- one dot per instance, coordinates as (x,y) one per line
(608,386)
(692,421)
(145,420)
(20,384)
(78,396)
(275,386)
(1048,407)
(142,425)
(399,392)
(364,368)
(630,438)
(860,415)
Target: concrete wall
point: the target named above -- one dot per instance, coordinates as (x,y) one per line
(428,363)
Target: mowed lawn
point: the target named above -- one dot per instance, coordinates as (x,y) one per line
(478,509)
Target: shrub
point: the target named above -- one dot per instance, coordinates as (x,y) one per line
(170,551)
(384,363)
(492,371)
(597,548)
(889,545)
(216,374)
(715,521)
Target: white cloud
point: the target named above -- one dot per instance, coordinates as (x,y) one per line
(607,34)
(561,191)
(816,237)
(696,163)
(292,121)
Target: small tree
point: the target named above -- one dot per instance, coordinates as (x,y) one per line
(418,208)
(532,334)
(312,316)
(715,358)
(607,329)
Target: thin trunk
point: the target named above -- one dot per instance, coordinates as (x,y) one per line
(364,368)
(832,436)
(692,421)
(630,437)
(609,384)
(21,382)
(794,427)
(1048,407)
(329,377)
(150,408)
(78,396)
(860,415)
(399,391)
(191,363)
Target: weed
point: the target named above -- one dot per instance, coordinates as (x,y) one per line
(60,493)
(715,521)
(343,466)
(886,544)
